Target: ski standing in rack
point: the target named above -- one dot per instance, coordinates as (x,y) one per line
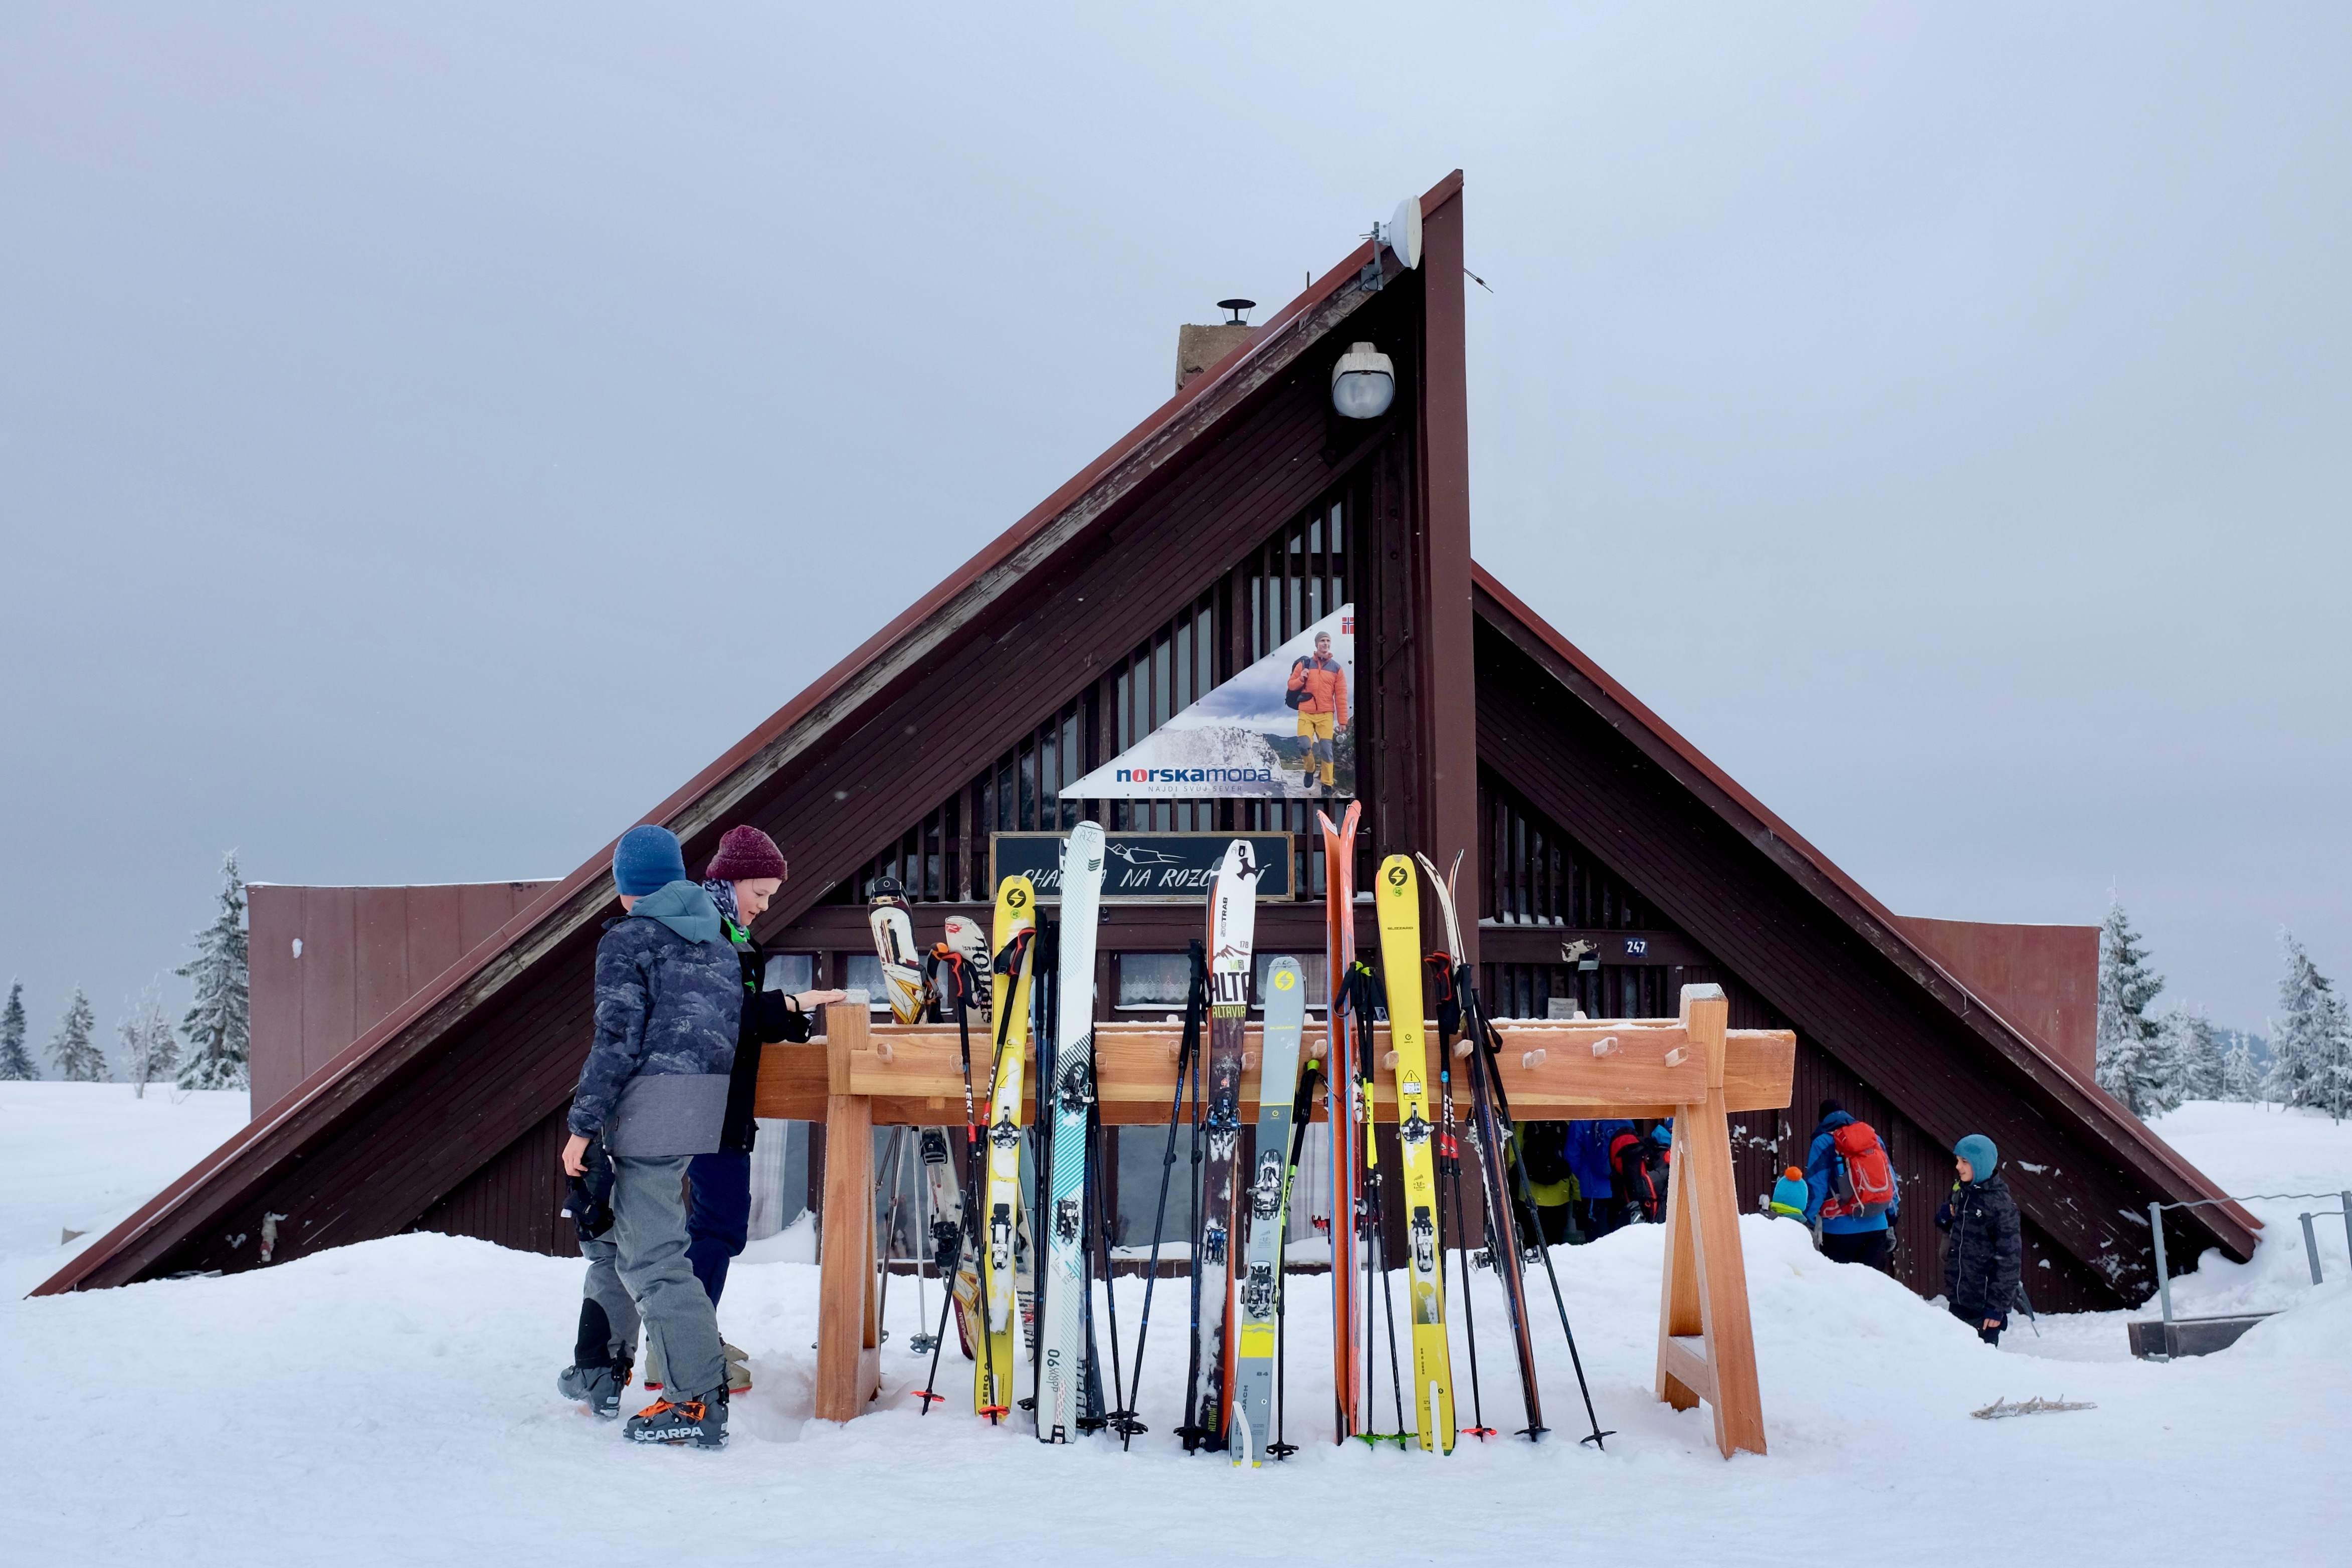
(893,923)
(1344,1112)
(1232,926)
(1068,1292)
(1016,927)
(1251,1429)
(956,983)
(1398,896)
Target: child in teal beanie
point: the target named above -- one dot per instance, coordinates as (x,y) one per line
(1985,1251)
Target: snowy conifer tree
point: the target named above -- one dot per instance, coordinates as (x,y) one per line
(2311,1042)
(216,1026)
(76,1055)
(2131,1064)
(15,1061)
(2194,1056)
(2241,1075)
(150,1050)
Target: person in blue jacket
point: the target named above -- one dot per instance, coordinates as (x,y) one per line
(1588,1156)
(1846,1236)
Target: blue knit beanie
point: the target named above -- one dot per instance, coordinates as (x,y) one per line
(646,860)
(1977,1151)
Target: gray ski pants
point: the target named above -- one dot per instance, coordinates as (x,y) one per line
(639,1269)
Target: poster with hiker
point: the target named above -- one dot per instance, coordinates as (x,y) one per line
(1283,728)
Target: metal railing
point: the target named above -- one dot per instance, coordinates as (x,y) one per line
(2310,1238)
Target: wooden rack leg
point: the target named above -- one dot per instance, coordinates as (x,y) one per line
(1679,1317)
(1703,1256)
(845,1273)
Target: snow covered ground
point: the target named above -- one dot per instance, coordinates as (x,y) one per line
(395,1403)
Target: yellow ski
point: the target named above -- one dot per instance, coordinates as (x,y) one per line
(1432,1381)
(1016,923)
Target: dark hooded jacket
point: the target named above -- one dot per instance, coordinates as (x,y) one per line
(1983,1250)
(769,1017)
(669,1004)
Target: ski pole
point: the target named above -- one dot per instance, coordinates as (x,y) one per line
(1129,1425)
(889,1248)
(1302,1105)
(950,1247)
(1449,1171)
(1491,1039)
(1191,1430)
(1103,1231)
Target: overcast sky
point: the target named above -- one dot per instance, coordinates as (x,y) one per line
(428,433)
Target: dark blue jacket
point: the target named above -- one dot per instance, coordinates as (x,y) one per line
(1986,1249)
(669,1004)
(1588,1156)
(1821,1178)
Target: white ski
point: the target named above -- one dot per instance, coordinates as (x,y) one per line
(1061,1389)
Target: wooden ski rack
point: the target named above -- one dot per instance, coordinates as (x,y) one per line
(860,1075)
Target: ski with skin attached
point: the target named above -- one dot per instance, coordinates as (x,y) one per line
(1068,1292)
(1232,927)
(1016,926)
(892,921)
(1255,1339)
(1399,895)
(1344,1110)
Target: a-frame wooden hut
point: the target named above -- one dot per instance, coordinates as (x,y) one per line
(1240,510)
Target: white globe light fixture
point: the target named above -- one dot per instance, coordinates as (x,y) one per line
(1364,384)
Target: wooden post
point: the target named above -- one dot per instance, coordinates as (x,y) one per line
(1703,1256)
(845,1275)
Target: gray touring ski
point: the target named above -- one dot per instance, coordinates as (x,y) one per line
(1255,1347)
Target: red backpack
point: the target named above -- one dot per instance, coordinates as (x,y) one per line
(1866,1177)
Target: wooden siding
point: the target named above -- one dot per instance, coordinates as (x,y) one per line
(363,951)
(517,1199)
(1854,1008)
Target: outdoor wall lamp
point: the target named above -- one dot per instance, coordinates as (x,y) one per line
(1364,384)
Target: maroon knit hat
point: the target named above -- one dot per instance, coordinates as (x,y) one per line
(745,853)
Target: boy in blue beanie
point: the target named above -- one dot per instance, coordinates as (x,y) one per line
(1982,1258)
(652,1095)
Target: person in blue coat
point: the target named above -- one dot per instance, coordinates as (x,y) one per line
(1588,1157)
(1847,1236)
(652,1095)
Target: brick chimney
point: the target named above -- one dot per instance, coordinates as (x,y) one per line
(1199,347)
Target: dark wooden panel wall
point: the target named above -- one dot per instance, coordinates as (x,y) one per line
(516,1200)
(1852,1006)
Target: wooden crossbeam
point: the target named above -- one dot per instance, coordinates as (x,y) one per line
(911,1076)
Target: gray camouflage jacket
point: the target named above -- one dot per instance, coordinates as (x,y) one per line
(669,1004)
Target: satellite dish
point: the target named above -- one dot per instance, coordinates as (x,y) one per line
(1404,232)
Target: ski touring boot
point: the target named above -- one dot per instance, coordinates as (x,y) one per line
(597,1388)
(682,1423)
